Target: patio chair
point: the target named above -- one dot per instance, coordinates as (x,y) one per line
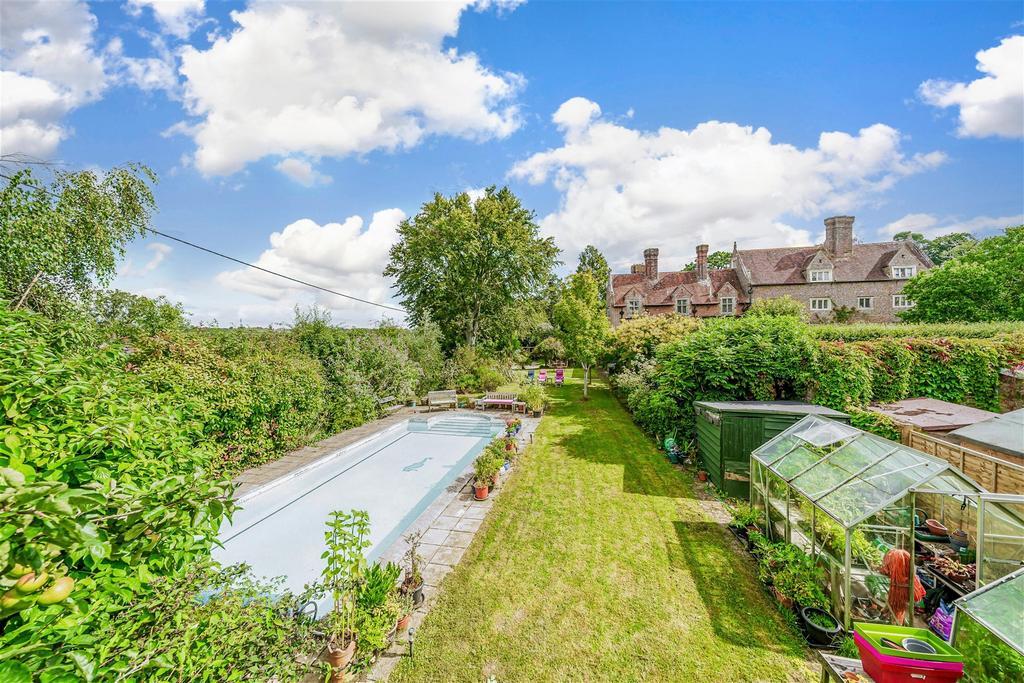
(559,376)
(542,376)
(529,376)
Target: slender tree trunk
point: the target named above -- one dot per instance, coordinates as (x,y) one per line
(586,380)
(27,290)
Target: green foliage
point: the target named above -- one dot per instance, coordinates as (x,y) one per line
(873,331)
(58,241)
(778,307)
(109,486)
(130,316)
(347,538)
(488,464)
(636,340)
(744,515)
(873,422)
(549,349)
(842,377)
(534,395)
(942,248)
(987,659)
(471,265)
(848,648)
(593,261)
(583,325)
(252,393)
(758,358)
(716,260)
(470,370)
(794,574)
(206,625)
(986,283)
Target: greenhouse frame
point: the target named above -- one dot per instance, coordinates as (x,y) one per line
(988,630)
(847,497)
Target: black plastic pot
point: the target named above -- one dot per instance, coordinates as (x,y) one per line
(417,595)
(817,635)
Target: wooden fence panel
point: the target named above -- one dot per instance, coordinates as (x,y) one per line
(995,474)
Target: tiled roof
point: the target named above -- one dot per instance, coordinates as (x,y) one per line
(668,287)
(785,265)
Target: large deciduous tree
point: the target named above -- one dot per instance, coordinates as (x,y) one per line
(716,260)
(942,248)
(59,240)
(582,322)
(594,262)
(471,266)
(986,283)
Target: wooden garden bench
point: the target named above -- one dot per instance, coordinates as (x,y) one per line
(442,398)
(502,400)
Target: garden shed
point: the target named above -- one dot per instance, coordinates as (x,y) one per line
(728,431)
(988,630)
(1001,435)
(849,497)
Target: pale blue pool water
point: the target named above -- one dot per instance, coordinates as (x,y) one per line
(394,475)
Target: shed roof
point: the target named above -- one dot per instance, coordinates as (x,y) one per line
(932,415)
(851,474)
(783,407)
(1004,433)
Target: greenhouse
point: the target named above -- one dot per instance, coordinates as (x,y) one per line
(868,509)
(988,630)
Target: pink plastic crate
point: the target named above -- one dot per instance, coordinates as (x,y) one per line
(889,669)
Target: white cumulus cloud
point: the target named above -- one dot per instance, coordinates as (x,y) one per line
(302,172)
(159,252)
(177,17)
(931,225)
(992,105)
(624,189)
(337,79)
(50,67)
(341,256)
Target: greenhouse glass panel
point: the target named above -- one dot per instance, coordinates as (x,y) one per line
(841,464)
(777,447)
(1002,548)
(821,432)
(853,501)
(900,471)
(1000,608)
(795,462)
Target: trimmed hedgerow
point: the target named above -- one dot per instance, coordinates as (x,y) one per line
(870,331)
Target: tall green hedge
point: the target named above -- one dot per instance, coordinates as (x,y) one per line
(765,358)
(870,331)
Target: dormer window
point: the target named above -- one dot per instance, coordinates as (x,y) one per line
(903,272)
(632,308)
(727,305)
(683,306)
(820,275)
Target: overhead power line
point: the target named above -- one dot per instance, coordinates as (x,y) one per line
(253,265)
(272,272)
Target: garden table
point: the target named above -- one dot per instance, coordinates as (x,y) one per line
(833,667)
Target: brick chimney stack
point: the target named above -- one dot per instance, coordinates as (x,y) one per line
(702,263)
(651,263)
(839,235)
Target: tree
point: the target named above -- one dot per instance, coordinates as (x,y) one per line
(57,242)
(716,260)
(582,323)
(593,261)
(986,283)
(778,307)
(468,265)
(942,248)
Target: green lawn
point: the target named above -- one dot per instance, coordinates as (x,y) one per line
(597,564)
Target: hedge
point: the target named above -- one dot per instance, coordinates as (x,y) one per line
(870,331)
(780,359)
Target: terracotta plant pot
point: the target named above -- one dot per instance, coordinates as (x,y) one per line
(480,492)
(958,539)
(339,658)
(403,623)
(702,475)
(936,527)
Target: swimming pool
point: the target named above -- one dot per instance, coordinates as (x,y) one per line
(394,475)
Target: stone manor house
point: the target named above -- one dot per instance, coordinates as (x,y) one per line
(865,279)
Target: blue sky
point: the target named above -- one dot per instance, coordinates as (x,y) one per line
(625,125)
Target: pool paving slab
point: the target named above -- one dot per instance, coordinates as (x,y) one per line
(448,524)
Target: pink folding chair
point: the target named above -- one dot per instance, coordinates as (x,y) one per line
(542,376)
(559,376)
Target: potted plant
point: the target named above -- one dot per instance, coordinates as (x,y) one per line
(412,584)
(744,521)
(702,475)
(347,536)
(405,609)
(820,626)
(534,396)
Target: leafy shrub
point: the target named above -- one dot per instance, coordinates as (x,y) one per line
(469,370)
(873,422)
(780,307)
(109,487)
(549,349)
(636,340)
(842,377)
